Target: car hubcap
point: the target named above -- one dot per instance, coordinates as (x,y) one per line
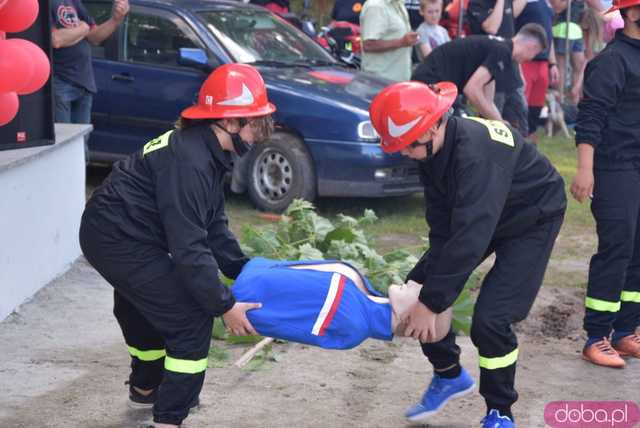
(273,175)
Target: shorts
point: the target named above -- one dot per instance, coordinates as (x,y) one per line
(576,46)
(536,77)
(576,43)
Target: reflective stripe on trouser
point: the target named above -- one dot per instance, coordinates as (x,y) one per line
(630,296)
(613,292)
(494,363)
(148,355)
(179,365)
(601,305)
(497,377)
(144,343)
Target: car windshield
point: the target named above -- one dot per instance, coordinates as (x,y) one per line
(259,37)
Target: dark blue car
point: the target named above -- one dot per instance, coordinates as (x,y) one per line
(153,66)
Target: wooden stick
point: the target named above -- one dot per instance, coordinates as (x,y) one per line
(247,356)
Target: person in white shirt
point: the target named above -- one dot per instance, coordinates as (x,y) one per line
(431,34)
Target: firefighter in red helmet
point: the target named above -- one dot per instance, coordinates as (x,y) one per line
(156,230)
(608,142)
(486,191)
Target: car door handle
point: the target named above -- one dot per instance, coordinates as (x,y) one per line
(123,77)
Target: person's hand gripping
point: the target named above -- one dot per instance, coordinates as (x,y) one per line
(421,323)
(236,319)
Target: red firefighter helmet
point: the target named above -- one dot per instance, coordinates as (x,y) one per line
(622,4)
(403,112)
(231,90)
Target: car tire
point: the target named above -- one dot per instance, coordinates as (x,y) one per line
(280,171)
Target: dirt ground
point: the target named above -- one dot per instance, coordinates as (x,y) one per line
(64,365)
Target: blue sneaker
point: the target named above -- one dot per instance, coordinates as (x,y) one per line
(438,394)
(494,420)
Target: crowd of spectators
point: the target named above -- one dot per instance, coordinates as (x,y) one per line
(396,39)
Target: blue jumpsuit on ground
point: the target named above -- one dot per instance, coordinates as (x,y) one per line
(324,309)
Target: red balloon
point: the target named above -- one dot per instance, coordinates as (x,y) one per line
(16,68)
(40,66)
(18,15)
(9,106)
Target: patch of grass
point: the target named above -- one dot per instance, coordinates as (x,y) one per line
(397,215)
(240,212)
(562,154)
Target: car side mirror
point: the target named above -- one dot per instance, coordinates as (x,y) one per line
(194,57)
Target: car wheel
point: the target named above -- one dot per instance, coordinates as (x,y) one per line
(280,171)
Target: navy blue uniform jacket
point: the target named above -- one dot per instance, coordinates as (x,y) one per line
(170,194)
(609,113)
(485,183)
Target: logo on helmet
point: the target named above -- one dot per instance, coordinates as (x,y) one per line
(244,99)
(396,130)
(208,100)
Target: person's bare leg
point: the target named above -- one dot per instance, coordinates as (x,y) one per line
(562,71)
(578,63)
(588,44)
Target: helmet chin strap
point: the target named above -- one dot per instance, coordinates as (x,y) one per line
(443,120)
(240,146)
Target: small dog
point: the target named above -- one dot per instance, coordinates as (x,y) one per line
(555,115)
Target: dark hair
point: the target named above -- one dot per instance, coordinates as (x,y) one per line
(184,123)
(623,12)
(263,125)
(536,32)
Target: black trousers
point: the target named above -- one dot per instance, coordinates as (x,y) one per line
(513,107)
(506,296)
(613,293)
(167,333)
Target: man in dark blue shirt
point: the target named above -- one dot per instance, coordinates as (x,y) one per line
(72,30)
